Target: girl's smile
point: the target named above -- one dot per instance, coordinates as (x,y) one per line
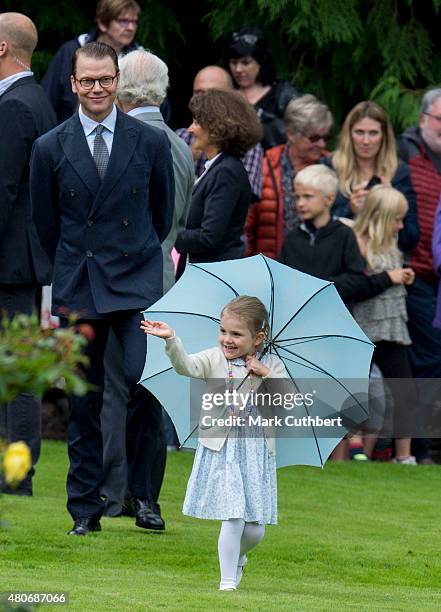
(235,338)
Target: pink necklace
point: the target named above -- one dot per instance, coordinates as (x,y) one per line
(230,389)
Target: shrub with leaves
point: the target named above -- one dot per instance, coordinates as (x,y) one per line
(33,360)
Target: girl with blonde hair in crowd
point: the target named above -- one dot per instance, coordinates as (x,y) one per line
(384,317)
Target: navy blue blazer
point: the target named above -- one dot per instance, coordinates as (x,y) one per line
(218,212)
(25,114)
(103,237)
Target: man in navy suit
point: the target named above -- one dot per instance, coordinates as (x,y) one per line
(25,114)
(102,191)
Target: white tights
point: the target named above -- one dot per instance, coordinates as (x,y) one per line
(236,538)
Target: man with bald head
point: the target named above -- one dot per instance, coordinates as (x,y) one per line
(215,77)
(212,77)
(25,114)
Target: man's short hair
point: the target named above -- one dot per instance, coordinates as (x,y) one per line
(96,50)
(143,79)
(22,41)
(318,177)
(429,98)
(108,10)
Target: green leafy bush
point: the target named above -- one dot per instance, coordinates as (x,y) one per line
(33,360)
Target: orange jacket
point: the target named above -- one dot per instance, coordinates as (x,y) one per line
(265,225)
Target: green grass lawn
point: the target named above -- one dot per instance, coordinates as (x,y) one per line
(358,537)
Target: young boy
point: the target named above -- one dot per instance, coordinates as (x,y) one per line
(323,246)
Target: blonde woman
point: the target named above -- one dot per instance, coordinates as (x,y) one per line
(366,155)
(384,317)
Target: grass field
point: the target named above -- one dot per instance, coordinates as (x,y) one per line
(358,537)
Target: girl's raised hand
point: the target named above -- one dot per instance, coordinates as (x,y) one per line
(157,328)
(400,276)
(256,367)
(410,276)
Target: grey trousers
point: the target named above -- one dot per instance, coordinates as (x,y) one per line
(115,432)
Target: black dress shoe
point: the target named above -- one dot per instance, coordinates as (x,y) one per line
(83,526)
(17,491)
(127,507)
(145,514)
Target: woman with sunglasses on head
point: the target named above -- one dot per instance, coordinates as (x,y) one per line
(251,65)
(366,155)
(308,123)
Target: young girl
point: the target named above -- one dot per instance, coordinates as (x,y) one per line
(234,473)
(384,317)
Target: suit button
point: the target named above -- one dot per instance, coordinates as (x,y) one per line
(125,222)
(135,189)
(89,253)
(125,254)
(89,222)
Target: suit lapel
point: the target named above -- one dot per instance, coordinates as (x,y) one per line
(124,142)
(199,183)
(76,149)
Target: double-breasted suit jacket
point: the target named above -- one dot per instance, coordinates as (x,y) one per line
(104,237)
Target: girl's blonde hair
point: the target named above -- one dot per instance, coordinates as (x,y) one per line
(375,222)
(252,311)
(344,160)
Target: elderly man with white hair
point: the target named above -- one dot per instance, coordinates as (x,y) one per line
(142,88)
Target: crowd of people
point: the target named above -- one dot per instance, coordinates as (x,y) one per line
(98,194)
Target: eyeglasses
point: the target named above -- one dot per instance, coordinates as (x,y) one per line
(316,137)
(105,81)
(436,117)
(125,23)
(248,39)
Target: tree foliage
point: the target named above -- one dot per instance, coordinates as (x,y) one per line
(345,51)
(64,20)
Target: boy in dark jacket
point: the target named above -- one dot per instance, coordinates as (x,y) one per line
(325,247)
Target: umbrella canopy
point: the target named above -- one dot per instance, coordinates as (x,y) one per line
(313,333)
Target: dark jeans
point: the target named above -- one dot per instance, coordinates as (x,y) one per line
(85,444)
(393,361)
(425,353)
(21,419)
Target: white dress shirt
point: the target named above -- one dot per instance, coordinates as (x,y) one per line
(8,81)
(208,165)
(89,126)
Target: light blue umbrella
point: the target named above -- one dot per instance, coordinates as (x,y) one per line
(324,350)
